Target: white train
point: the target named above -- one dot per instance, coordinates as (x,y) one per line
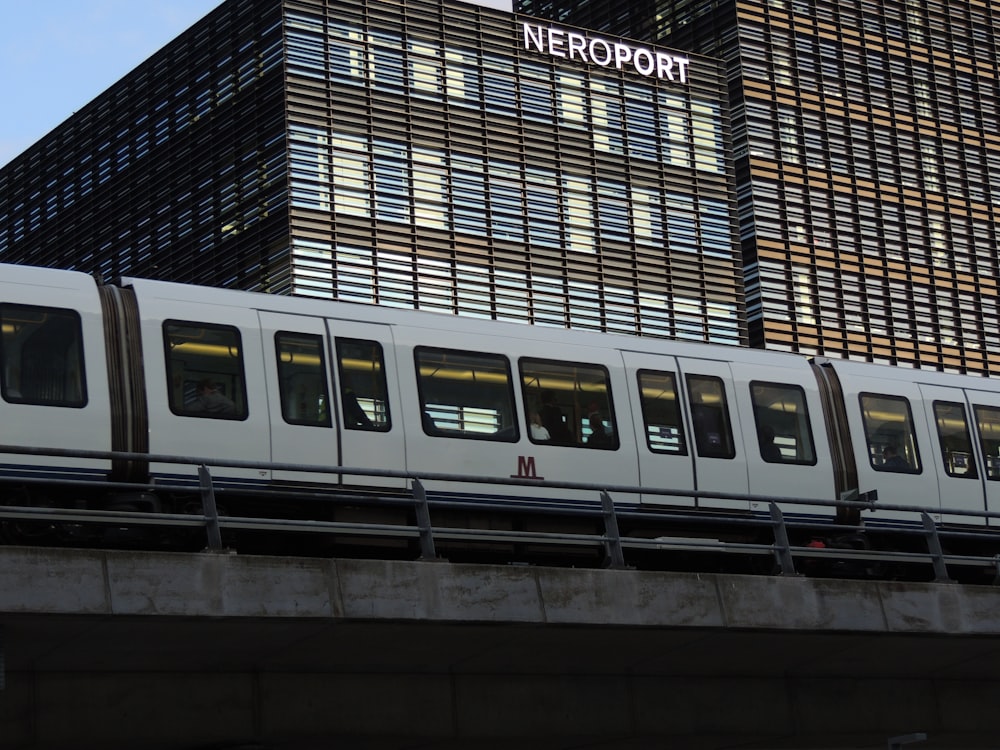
(170,369)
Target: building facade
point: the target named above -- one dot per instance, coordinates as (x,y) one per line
(867,137)
(434,155)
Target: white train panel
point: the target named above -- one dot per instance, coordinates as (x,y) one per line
(468,402)
(297,377)
(787,447)
(664,444)
(717,445)
(369,413)
(951,456)
(54,382)
(206,392)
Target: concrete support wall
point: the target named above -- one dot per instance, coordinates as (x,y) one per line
(194,710)
(123,650)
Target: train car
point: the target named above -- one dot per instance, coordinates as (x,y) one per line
(359,386)
(232,376)
(223,376)
(923,439)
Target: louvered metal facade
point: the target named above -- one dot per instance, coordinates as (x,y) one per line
(418,154)
(867,137)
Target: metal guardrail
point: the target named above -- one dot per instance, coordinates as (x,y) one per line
(606,512)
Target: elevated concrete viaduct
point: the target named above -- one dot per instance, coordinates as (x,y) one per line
(113,650)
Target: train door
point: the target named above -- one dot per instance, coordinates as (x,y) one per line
(952,452)
(891,441)
(715,433)
(986,430)
(664,451)
(787,448)
(367,411)
(297,371)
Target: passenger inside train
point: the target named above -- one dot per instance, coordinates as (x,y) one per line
(538,431)
(211,400)
(892,461)
(553,420)
(768,450)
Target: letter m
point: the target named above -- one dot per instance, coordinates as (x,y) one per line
(526,468)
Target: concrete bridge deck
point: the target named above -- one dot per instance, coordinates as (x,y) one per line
(116,650)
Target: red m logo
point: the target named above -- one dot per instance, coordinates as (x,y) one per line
(526,468)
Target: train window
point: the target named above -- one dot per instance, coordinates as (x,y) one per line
(661,412)
(568,404)
(988,422)
(465,394)
(41,351)
(364,397)
(956,444)
(713,434)
(888,423)
(782,420)
(302,386)
(204,370)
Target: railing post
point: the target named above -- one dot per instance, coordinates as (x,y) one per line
(3,666)
(427,551)
(782,549)
(934,547)
(613,543)
(209,509)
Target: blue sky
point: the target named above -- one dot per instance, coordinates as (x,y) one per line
(57,55)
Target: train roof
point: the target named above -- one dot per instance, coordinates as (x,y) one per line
(909,374)
(46,277)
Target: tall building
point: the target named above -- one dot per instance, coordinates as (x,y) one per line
(439,155)
(867,137)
